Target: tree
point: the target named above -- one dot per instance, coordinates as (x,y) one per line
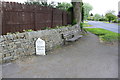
(110,16)
(37,2)
(91,14)
(64,6)
(111,11)
(77,11)
(41,2)
(97,17)
(90,17)
(82,12)
(87,9)
(102,18)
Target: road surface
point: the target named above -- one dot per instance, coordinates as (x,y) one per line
(108,26)
(85,58)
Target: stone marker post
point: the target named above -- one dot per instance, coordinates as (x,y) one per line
(40,47)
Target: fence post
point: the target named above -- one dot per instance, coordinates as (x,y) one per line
(34,16)
(62,18)
(1,18)
(52,18)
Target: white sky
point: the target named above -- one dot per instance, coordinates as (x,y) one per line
(102,6)
(99,6)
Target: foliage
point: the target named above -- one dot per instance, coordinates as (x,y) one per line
(29,30)
(97,17)
(52,4)
(110,16)
(102,19)
(41,3)
(70,9)
(74,22)
(119,21)
(111,11)
(105,35)
(57,27)
(64,6)
(87,9)
(91,14)
(115,21)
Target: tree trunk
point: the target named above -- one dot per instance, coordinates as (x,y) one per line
(77,8)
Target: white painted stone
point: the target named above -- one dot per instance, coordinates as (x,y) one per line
(40,47)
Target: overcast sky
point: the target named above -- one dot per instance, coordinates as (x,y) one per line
(99,6)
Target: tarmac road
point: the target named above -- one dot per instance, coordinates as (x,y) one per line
(108,26)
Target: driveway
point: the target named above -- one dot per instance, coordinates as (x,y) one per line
(108,26)
(85,58)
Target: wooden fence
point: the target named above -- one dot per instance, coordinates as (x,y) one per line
(16,17)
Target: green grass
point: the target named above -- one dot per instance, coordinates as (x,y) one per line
(85,25)
(104,35)
(85,21)
(105,21)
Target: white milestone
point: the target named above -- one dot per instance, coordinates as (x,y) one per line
(40,47)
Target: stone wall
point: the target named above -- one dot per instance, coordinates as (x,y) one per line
(13,46)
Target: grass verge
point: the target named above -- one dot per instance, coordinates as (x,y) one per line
(85,25)
(105,35)
(105,21)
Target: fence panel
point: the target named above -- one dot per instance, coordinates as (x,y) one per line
(0,18)
(43,16)
(57,17)
(69,18)
(64,18)
(18,17)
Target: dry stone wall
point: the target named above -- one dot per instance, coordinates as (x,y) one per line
(14,46)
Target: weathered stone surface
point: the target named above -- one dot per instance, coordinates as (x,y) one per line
(14,46)
(1,39)
(1,55)
(1,61)
(7,59)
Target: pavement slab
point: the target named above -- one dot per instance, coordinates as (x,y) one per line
(85,58)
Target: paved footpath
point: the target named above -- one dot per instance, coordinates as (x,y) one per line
(85,58)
